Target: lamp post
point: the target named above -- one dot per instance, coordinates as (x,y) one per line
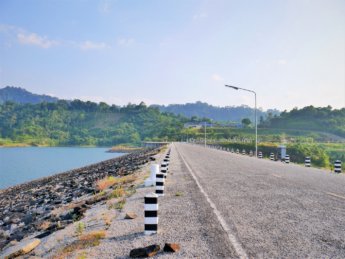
(256,124)
(205,133)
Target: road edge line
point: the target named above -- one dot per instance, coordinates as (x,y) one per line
(233,240)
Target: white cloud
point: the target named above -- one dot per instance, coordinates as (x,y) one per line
(217,77)
(199,16)
(89,45)
(282,62)
(125,41)
(36,40)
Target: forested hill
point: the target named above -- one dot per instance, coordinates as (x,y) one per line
(84,123)
(204,110)
(323,119)
(20,95)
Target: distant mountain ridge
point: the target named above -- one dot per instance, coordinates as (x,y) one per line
(20,95)
(225,114)
(198,109)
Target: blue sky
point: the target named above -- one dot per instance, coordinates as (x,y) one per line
(291,52)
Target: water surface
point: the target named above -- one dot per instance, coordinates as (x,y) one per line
(22,164)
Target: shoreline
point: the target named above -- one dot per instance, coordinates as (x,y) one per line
(25,206)
(38,146)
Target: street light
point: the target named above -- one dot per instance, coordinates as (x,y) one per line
(205,133)
(256,124)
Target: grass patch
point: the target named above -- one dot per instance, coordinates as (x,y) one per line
(117,193)
(179,194)
(107,220)
(110,181)
(82,255)
(87,240)
(79,228)
(130,191)
(118,205)
(105,183)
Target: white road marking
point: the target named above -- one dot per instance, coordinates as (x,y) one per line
(336,195)
(233,240)
(278,176)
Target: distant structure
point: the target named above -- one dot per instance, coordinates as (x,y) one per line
(153,144)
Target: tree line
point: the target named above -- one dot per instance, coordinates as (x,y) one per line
(85,123)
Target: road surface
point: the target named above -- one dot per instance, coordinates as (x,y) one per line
(270,209)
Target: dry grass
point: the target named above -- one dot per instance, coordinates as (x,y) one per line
(105,183)
(179,194)
(58,211)
(107,220)
(79,228)
(118,205)
(93,236)
(82,255)
(109,181)
(127,179)
(87,240)
(44,225)
(117,193)
(130,191)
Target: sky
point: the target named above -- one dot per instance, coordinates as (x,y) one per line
(290,52)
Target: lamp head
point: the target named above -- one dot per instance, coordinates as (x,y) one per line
(233,87)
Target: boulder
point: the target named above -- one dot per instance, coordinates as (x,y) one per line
(171,247)
(141,252)
(130,215)
(21,248)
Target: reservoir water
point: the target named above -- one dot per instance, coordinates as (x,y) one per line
(22,164)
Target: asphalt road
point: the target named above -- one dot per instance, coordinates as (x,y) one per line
(270,209)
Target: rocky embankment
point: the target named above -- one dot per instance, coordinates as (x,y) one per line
(40,207)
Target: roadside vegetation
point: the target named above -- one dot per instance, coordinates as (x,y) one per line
(315,132)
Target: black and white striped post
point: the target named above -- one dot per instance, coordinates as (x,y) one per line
(307,162)
(243,152)
(164,169)
(160,184)
(166,161)
(151,214)
(337,166)
(272,156)
(287,159)
(260,154)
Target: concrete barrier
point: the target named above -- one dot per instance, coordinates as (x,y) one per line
(337,166)
(243,152)
(307,162)
(237,151)
(250,153)
(151,181)
(151,214)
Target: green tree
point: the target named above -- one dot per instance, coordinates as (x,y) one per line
(246,122)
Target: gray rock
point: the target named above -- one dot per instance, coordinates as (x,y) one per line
(148,251)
